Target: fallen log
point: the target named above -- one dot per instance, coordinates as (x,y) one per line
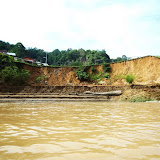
(88,92)
(111,93)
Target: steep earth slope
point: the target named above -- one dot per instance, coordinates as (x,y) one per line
(146,71)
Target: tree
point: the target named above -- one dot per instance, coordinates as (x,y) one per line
(19,49)
(37,54)
(5,46)
(67,57)
(15,76)
(6,60)
(124,57)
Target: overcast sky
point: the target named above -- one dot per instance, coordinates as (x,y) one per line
(130,27)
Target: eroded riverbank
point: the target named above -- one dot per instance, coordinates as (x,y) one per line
(131,93)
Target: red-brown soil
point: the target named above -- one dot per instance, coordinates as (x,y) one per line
(146,71)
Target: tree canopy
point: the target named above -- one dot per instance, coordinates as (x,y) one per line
(69,57)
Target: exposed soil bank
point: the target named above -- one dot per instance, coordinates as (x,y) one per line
(146,71)
(63,81)
(59,89)
(129,93)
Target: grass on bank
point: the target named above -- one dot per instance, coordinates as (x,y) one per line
(140,99)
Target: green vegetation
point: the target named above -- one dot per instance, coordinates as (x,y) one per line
(106,75)
(93,69)
(5,60)
(82,73)
(5,46)
(14,76)
(69,57)
(137,96)
(10,73)
(78,57)
(129,78)
(19,49)
(40,79)
(140,99)
(120,59)
(97,77)
(106,67)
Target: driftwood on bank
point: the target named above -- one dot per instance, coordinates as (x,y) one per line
(111,93)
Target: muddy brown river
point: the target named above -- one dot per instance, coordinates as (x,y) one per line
(79,131)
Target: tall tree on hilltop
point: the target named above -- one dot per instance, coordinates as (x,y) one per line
(19,49)
(5,46)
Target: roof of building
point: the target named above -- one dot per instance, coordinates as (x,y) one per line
(11,54)
(29,59)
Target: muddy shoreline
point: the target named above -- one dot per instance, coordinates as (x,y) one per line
(76,93)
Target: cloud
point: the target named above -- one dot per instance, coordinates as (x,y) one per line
(119,26)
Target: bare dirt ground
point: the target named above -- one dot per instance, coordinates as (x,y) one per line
(146,71)
(63,81)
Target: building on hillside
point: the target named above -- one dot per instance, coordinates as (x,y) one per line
(28,60)
(11,54)
(3,51)
(38,63)
(32,61)
(45,64)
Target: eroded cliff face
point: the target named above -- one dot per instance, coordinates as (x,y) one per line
(146,71)
(58,76)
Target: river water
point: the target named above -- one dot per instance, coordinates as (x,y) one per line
(79,131)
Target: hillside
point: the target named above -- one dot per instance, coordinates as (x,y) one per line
(69,57)
(146,71)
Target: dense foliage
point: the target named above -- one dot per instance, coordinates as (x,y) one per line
(77,57)
(14,75)
(10,73)
(5,60)
(82,73)
(120,59)
(5,46)
(67,57)
(106,67)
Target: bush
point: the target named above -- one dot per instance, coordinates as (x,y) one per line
(97,77)
(140,99)
(75,63)
(106,67)
(82,75)
(5,61)
(106,76)
(6,58)
(93,69)
(14,76)
(129,78)
(40,79)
